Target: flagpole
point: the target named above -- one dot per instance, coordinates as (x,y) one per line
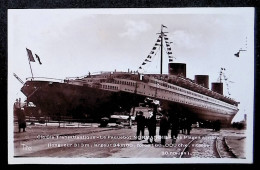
(30,65)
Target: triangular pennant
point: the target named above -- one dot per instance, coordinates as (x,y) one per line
(143,63)
(156,44)
(38,58)
(140,67)
(167,45)
(151,52)
(169,52)
(166,38)
(158,40)
(154,48)
(147,60)
(149,56)
(169,49)
(170,60)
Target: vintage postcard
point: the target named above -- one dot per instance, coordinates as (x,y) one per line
(130,86)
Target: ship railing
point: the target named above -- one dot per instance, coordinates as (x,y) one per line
(210,93)
(104,73)
(207,92)
(198,88)
(76,78)
(45,79)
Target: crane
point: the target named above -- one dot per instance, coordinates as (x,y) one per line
(222,76)
(237,54)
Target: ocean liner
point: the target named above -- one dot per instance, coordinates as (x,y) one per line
(98,95)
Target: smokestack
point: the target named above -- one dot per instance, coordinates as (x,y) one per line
(202,80)
(217,87)
(178,69)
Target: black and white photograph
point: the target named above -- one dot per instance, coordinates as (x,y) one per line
(131,86)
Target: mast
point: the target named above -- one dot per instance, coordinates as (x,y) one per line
(162,34)
(161,49)
(160,38)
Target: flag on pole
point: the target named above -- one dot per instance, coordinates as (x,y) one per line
(38,58)
(30,56)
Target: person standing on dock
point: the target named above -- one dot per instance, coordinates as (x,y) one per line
(216,125)
(164,127)
(130,121)
(21,119)
(140,120)
(175,125)
(152,125)
(183,124)
(188,125)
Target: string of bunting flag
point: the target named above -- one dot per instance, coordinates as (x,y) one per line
(168,48)
(157,46)
(152,53)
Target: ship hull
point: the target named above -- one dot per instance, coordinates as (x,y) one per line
(63,99)
(198,113)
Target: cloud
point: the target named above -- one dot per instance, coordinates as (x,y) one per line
(184,39)
(134,29)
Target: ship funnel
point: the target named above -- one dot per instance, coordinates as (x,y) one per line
(202,80)
(178,69)
(217,87)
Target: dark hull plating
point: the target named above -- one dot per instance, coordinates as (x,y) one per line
(56,99)
(77,101)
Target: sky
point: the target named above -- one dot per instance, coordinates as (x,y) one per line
(74,42)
